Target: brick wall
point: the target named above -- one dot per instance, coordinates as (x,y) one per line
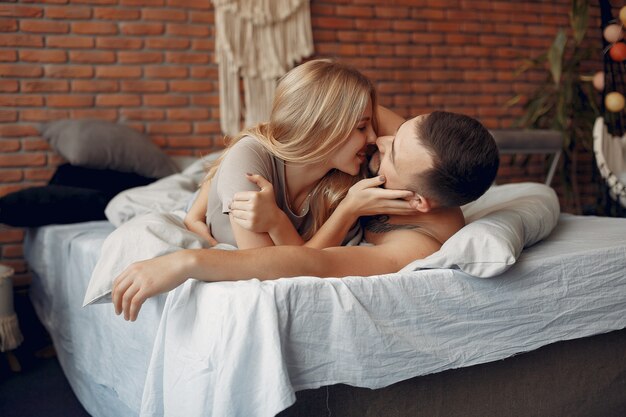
(149,63)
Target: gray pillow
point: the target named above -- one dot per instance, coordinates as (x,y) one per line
(106,145)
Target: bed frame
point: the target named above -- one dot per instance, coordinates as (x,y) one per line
(576,378)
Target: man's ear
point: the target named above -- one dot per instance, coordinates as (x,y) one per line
(420,203)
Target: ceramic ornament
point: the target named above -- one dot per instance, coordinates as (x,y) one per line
(614,102)
(618,52)
(613,33)
(598,81)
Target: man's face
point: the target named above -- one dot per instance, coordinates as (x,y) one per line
(401,157)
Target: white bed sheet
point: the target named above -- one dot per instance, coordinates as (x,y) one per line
(104,358)
(274,338)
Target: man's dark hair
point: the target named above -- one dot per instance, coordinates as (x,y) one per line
(465,158)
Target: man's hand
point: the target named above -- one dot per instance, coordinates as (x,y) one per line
(145,279)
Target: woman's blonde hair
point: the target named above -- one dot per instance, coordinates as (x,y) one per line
(316,107)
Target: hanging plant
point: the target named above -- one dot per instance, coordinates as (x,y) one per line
(565,101)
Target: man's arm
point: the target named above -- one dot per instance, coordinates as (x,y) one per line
(146,279)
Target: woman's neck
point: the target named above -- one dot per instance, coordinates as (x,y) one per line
(300,181)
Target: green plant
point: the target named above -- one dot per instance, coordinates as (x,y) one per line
(565,101)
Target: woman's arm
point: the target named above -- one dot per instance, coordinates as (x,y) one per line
(364,198)
(195,219)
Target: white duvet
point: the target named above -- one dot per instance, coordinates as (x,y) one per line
(243,348)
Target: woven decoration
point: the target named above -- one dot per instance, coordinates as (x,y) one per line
(257,41)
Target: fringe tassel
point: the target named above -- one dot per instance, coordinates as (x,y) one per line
(10,334)
(259,41)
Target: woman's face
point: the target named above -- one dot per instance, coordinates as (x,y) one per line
(351,155)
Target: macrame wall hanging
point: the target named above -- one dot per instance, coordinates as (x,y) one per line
(257,41)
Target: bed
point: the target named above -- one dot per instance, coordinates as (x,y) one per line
(433,339)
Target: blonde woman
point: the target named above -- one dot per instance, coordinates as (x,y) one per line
(280,181)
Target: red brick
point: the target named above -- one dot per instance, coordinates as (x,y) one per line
(41,174)
(95,86)
(191,86)
(21,159)
(8,115)
(9,235)
(142,29)
(42,26)
(30,145)
(119,71)
(332,22)
(68,12)
(125,57)
(38,115)
(10,145)
(354,11)
(47,56)
(119,43)
(208,100)
(94,28)
(55,86)
(187,58)
(118,100)
(70,42)
(189,142)
(68,71)
(138,86)
(96,2)
(8,56)
(142,2)
(207,127)
(203,45)
(69,101)
(167,72)
(8,10)
(8,25)
(12,251)
(142,114)
(202,17)
(204,72)
(11,175)
(186,29)
(167,43)
(21,71)
(21,40)
(17,130)
(20,100)
(165,100)
(163,15)
(92,57)
(170,127)
(106,13)
(190,4)
(103,114)
(188,114)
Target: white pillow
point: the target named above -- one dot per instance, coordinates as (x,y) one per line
(500,224)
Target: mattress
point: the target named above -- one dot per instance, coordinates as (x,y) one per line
(568,286)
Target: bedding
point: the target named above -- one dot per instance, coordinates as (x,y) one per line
(244,348)
(567,286)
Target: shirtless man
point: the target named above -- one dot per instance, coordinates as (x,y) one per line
(446,159)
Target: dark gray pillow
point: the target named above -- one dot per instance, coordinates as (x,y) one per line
(106,145)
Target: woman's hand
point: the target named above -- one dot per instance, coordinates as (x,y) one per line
(145,279)
(366,198)
(256,211)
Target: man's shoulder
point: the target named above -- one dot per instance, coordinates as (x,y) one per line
(406,241)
